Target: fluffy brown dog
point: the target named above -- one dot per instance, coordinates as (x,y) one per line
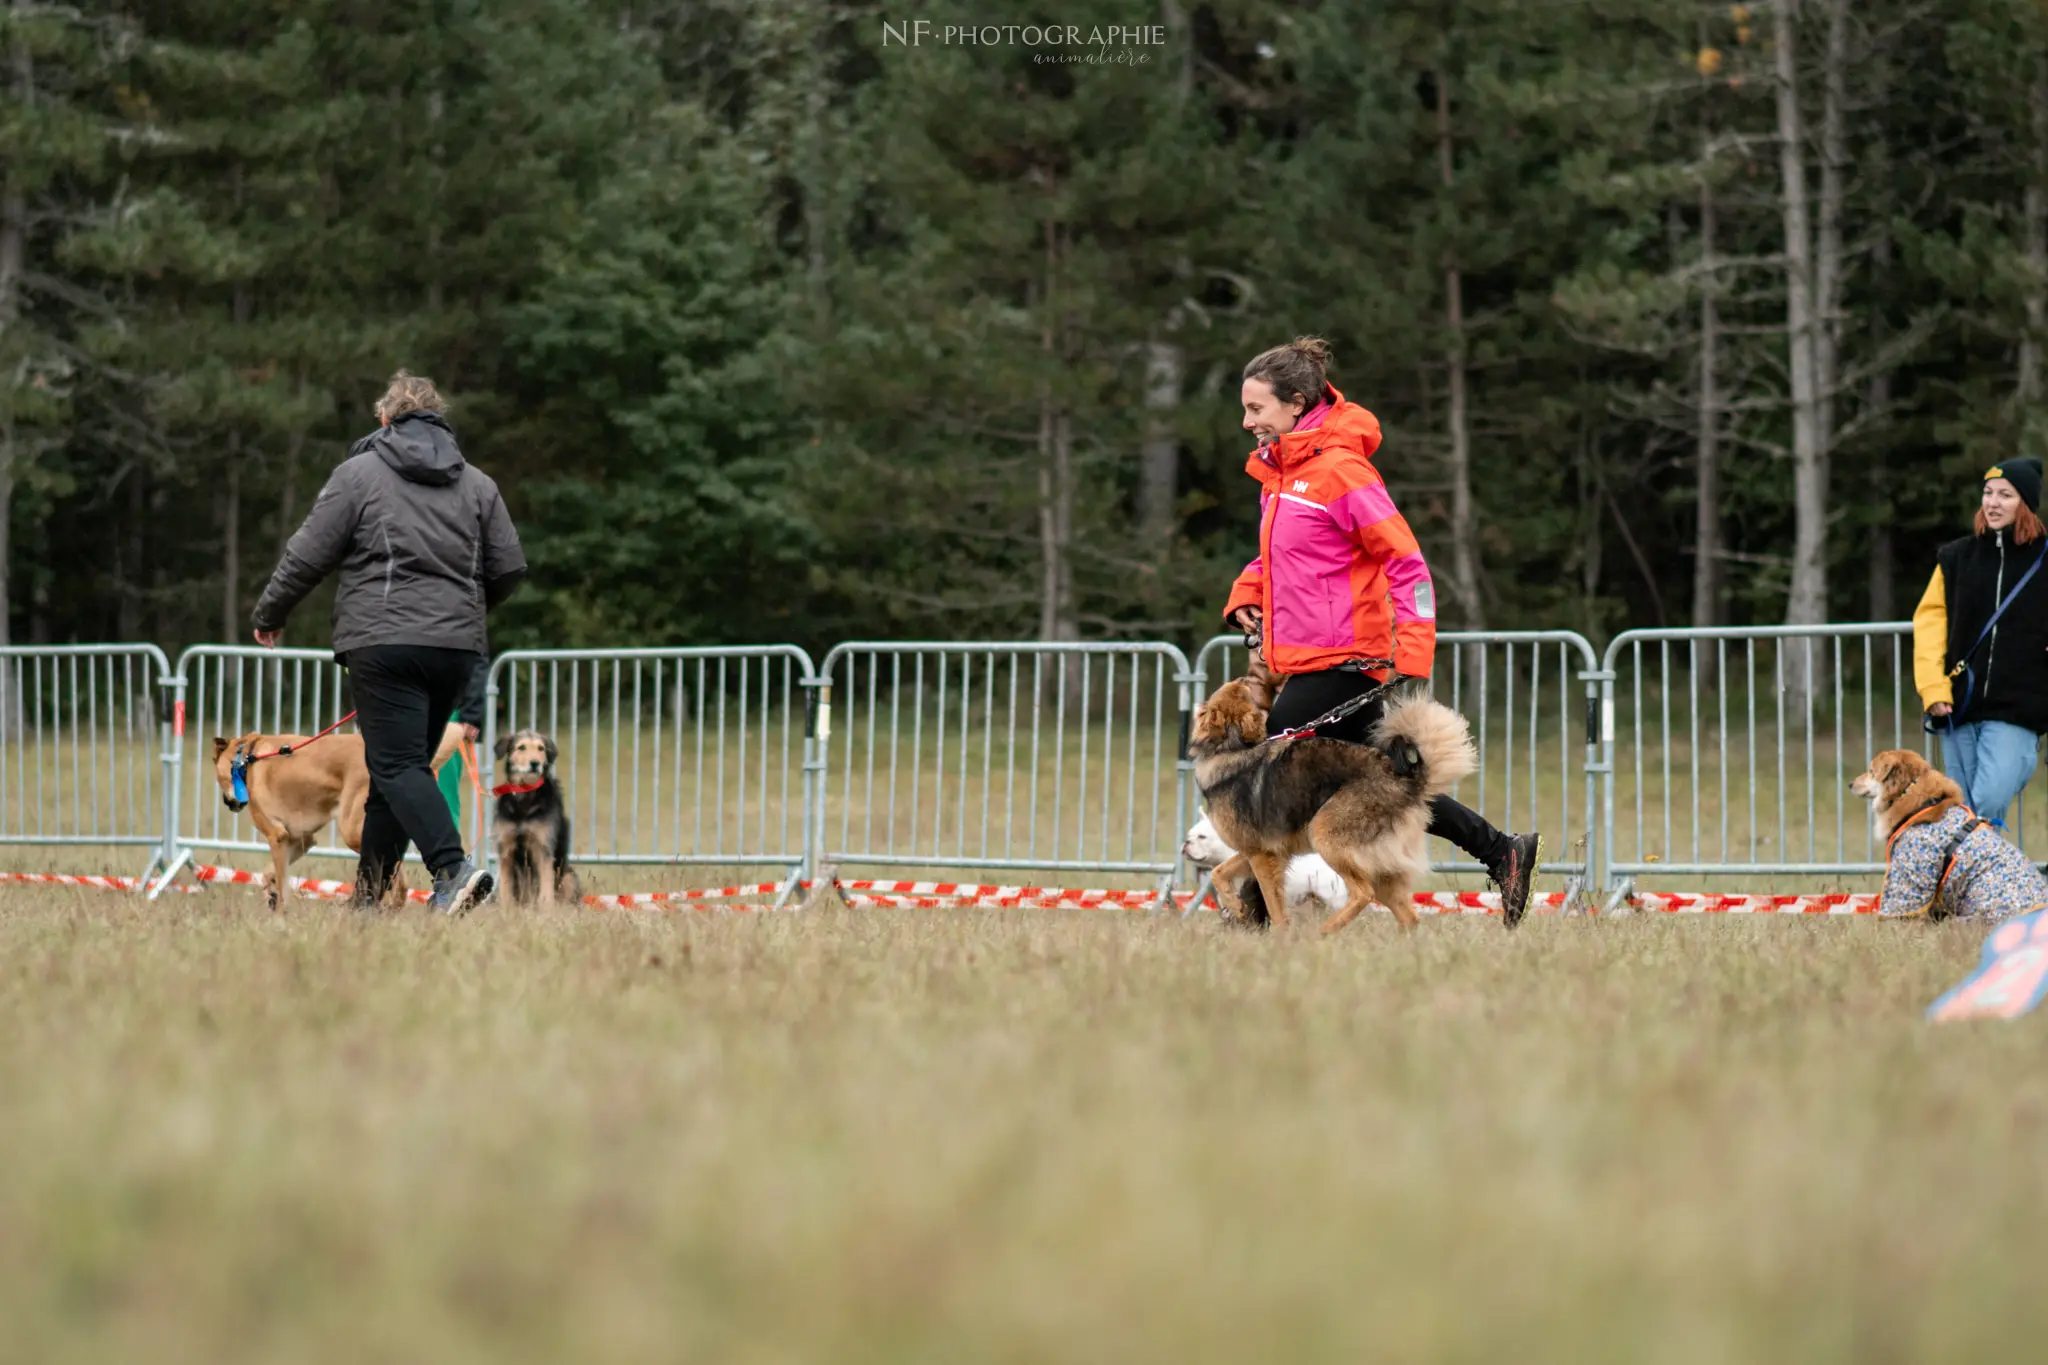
(293,797)
(1900,784)
(532,824)
(1346,802)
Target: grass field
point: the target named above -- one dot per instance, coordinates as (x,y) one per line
(1012,1136)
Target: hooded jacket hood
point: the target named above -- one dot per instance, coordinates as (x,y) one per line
(419,447)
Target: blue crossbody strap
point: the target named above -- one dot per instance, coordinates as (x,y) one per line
(1985,633)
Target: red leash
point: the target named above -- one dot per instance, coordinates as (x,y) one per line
(285,751)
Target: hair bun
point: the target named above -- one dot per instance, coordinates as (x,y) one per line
(1315,348)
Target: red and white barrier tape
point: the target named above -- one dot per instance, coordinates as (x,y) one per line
(636,900)
(320,888)
(1070,901)
(336,890)
(1695,903)
(61,879)
(901,895)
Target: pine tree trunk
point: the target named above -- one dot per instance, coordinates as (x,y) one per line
(1806,602)
(1464,545)
(438,193)
(130,576)
(1166,361)
(1877,475)
(288,494)
(1882,555)
(1159,452)
(1828,319)
(231,540)
(2037,240)
(1592,497)
(1175,20)
(1707,566)
(13,255)
(231,487)
(1056,616)
(817,220)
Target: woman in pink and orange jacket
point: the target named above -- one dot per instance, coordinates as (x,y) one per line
(1339,595)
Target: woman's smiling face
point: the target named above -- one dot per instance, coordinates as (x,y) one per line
(1265,416)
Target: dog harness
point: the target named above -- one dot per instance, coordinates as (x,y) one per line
(1936,867)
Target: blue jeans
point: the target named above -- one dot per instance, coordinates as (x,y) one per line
(1991,761)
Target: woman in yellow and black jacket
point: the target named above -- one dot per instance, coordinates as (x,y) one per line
(1984,683)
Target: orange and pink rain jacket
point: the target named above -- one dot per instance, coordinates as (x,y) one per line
(1339,575)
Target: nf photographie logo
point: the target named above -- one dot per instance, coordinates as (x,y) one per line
(1118,44)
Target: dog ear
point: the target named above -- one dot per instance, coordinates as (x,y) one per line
(220,746)
(1253,726)
(550,742)
(502,747)
(1895,779)
(1259,691)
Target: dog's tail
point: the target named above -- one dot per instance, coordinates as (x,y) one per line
(1438,733)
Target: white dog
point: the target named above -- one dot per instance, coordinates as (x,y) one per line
(1309,878)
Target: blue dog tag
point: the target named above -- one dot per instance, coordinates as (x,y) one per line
(2011,977)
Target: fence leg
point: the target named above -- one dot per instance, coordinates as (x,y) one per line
(792,877)
(817,745)
(1201,891)
(170,873)
(171,724)
(1622,901)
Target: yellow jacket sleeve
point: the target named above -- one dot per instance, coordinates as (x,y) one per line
(1930,644)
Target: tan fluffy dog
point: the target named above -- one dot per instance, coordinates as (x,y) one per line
(1900,784)
(293,797)
(1346,802)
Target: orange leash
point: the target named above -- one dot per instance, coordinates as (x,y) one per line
(471,765)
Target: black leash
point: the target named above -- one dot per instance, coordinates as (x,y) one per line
(1344,709)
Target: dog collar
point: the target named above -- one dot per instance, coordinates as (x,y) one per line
(513,789)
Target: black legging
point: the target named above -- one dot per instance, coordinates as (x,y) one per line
(1308,695)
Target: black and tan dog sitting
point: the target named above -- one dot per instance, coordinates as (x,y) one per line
(532,825)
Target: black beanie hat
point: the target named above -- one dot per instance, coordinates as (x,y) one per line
(2023,474)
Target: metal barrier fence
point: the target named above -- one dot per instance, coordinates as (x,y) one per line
(1053,757)
(676,756)
(85,747)
(1517,687)
(1738,745)
(227,691)
(1712,752)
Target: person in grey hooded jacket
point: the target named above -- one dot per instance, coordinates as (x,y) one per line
(424,547)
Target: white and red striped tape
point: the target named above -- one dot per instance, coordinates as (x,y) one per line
(61,879)
(336,890)
(911,895)
(318,887)
(1695,903)
(636,900)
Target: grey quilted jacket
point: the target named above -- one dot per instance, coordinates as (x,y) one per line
(420,537)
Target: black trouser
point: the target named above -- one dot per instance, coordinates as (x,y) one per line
(1308,695)
(404,695)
